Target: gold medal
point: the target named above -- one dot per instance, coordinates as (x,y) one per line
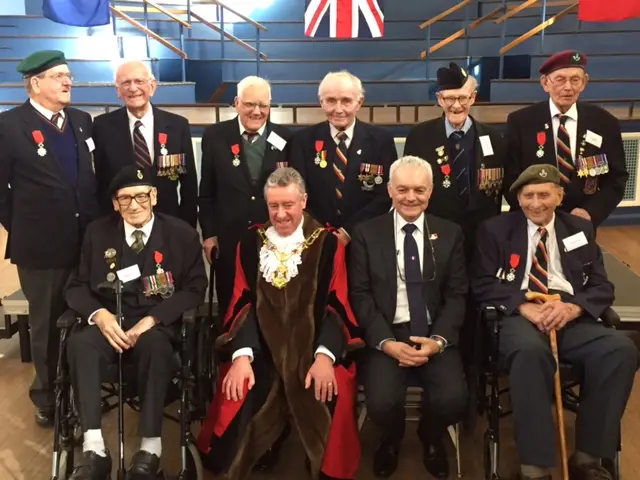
(323,163)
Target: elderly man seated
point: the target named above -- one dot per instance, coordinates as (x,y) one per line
(287,332)
(542,250)
(158,258)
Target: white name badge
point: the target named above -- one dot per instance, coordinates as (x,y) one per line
(575,241)
(130,273)
(90,144)
(485,143)
(277,141)
(593,138)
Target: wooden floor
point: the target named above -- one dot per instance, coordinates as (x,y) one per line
(25,448)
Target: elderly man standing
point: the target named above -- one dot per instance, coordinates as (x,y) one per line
(47,198)
(158,258)
(467,157)
(143,135)
(237,157)
(344,161)
(582,140)
(544,251)
(285,347)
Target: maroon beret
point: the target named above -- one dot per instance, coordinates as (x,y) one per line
(564,59)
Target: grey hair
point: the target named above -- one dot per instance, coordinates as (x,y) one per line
(253,81)
(283,177)
(341,75)
(134,62)
(411,160)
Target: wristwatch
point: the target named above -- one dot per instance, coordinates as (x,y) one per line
(440,343)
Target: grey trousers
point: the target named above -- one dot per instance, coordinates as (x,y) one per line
(43,290)
(609,360)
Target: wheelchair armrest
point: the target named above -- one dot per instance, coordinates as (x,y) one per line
(611,319)
(189,317)
(68,319)
(490,314)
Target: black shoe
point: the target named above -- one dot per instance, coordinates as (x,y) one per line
(269,460)
(44,417)
(385,458)
(435,459)
(144,466)
(93,467)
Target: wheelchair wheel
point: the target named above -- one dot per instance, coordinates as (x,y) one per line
(488,448)
(194,469)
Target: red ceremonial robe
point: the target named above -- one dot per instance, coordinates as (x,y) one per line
(284,327)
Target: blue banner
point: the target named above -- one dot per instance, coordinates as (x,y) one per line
(80,13)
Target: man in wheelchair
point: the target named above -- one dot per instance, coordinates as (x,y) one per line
(284,348)
(158,259)
(542,251)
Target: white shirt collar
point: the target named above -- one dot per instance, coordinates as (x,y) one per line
(532,228)
(45,112)
(572,113)
(289,242)
(147,119)
(242,129)
(146,229)
(401,222)
(349,130)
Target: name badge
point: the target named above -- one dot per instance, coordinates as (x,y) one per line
(130,273)
(593,138)
(575,241)
(277,141)
(90,144)
(485,143)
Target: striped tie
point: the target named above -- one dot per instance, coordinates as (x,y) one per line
(55,119)
(340,165)
(563,151)
(143,157)
(250,136)
(460,169)
(539,273)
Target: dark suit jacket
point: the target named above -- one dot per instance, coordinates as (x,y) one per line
(229,200)
(43,212)
(423,140)
(503,236)
(180,246)
(114,150)
(373,278)
(370,144)
(522,130)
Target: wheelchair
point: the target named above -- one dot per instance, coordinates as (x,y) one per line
(490,391)
(192,385)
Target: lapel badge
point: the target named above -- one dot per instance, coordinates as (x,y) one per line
(359,151)
(111,277)
(110,253)
(139,175)
(440,151)
(433,236)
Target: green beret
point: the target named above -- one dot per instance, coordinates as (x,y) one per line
(41,61)
(130,176)
(544,173)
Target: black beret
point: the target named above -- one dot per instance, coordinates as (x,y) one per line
(41,61)
(130,176)
(452,78)
(564,59)
(539,173)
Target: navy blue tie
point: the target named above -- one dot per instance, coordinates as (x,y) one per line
(415,286)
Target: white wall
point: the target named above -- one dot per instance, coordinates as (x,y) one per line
(12,7)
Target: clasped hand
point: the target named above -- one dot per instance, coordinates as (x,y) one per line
(118,338)
(551,315)
(411,356)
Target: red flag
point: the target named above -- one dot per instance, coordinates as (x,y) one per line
(608,11)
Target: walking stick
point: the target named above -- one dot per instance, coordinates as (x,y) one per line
(542,298)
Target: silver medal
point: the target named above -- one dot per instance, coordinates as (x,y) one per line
(42,151)
(378,180)
(236,162)
(511,276)
(163,151)
(540,153)
(446,183)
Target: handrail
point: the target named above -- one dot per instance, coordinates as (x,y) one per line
(444,14)
(239,15)
(460,33)
(231,37)
(536,30)
(514,11)
(146,31)
(167,13)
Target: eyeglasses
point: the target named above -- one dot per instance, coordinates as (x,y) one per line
(141,198)
(560,81)
(138,82)
(60,77)
(252,105)
(462,100)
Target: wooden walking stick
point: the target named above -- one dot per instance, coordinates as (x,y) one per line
(542,298)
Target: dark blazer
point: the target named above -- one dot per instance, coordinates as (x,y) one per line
(229,200)
(43,212)
(114,150)
(370,145)
(180,246)
(424,139)
(522,130)
(373,278)
(503,236)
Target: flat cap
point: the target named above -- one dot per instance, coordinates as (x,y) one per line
(540,173)
(564,59)
(130,176)
(41,61)
(452,78)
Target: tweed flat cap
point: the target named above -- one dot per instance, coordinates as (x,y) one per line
(540,173)
(130,176)
(452,78)
(41,61)
(564,59)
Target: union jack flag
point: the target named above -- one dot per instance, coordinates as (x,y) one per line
(344,18)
